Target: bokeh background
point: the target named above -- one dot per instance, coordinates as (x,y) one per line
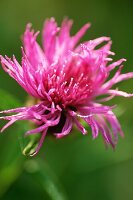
(75,167)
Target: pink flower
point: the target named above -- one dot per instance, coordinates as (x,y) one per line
(66,78)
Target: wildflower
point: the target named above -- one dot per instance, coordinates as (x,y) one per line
(66,79)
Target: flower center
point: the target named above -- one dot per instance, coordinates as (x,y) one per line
(70,84)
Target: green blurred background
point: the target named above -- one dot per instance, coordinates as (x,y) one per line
(75,167)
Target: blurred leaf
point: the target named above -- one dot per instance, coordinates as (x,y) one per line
(8,101)
(42,173)
(11,161)
(9,174)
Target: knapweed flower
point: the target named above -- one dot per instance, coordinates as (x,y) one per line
(66,80)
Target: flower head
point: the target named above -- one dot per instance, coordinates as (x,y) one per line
(66,78)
